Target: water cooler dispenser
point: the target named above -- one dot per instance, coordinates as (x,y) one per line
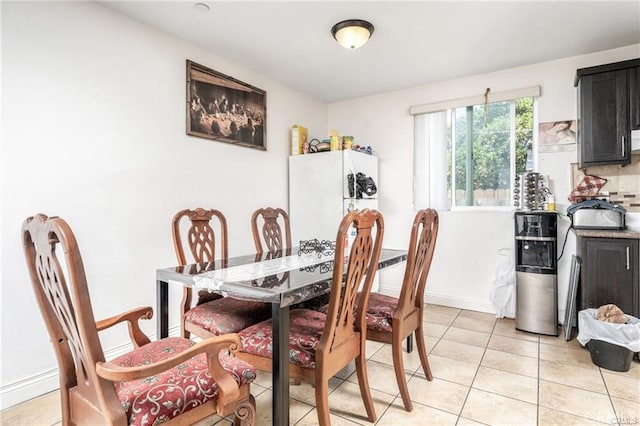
(536,272)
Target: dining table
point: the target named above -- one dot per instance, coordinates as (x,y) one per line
(282,278)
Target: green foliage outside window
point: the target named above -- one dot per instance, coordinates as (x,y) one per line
(485,156)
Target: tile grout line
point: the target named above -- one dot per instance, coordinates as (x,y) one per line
(484,352)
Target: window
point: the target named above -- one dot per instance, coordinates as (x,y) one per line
(469,155)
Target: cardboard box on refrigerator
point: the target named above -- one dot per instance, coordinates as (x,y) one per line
(299,135)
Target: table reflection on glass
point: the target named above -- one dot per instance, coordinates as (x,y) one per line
(281,278)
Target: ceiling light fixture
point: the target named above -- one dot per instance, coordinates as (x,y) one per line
(352,33)
(201,7)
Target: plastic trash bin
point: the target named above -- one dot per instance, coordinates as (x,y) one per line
(610,345)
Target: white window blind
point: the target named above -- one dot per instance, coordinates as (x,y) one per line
(430,160)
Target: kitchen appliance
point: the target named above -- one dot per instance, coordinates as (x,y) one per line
(597,214)
(325,186)
(529,191)
(536,272)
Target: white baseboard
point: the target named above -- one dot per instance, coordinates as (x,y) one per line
(472,304)
(478,305)
(461,302)
(27,388)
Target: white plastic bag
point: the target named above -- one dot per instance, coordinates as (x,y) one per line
(625,335)
(504,283)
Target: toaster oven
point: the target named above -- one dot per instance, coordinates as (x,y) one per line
(596,214)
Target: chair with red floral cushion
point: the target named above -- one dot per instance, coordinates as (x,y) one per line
(173,380)
(390,319)
(272,230)
(212,315)
(320,344)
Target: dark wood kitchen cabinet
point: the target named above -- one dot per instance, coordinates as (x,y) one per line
(634,93)
(606,112)
(609,273)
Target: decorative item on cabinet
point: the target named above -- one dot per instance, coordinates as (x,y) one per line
(530,191)
(320,193)
(299,140)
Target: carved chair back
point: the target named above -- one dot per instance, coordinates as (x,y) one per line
(271,229)
(200,242)
(364,254)
(424,234)
(51,249)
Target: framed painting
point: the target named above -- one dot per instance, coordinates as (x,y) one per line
(558,136)
(224,109)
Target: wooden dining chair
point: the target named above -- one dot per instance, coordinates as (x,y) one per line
(390,319)
(212,315)
(172,380)
(320,344)
(271,229)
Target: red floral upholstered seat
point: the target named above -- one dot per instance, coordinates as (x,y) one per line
(189,384)
(380,311)
(305,331)
(227,315)
(212,314)
(391,320)
(320,344)
(170,380)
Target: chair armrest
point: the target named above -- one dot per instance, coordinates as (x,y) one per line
(138,338)
(227,386)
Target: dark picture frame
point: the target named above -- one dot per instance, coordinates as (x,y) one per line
(224,109)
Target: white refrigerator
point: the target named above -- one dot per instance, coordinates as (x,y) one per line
(319,193)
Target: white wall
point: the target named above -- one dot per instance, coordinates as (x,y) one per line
(93,116)
(468,243)
(93,130)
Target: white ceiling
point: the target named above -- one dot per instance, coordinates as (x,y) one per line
(414,43)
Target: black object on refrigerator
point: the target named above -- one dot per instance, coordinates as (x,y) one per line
(536,272)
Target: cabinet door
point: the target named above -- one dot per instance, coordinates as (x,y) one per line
(634,100)
(610,273)
(604,119)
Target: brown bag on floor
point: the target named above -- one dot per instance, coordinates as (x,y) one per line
(611,313)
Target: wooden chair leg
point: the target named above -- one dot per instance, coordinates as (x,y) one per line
(422,351)
(398,368)
(322,402)
(365,391)
(245,414)
(64,402)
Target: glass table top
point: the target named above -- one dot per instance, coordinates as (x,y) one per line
(282,277)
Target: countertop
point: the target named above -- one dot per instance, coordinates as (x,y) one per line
(606,233)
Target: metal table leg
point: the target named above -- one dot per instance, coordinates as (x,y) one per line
(162,309)
(280,364)
(410,343)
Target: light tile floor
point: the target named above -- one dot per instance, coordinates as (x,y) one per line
(485,373)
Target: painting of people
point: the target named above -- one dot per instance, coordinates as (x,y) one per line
(224,109)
